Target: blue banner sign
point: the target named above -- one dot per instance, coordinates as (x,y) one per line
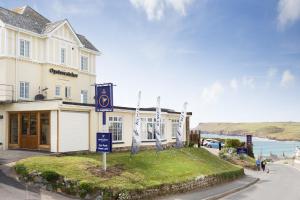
(104,142)
(241,150)
(104,97)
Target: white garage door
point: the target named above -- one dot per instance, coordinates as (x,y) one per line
(73,131)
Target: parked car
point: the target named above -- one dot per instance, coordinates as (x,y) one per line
(213,144)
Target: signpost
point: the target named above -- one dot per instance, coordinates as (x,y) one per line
(241,150)
(104,103)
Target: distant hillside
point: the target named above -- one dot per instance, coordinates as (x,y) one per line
(272,130)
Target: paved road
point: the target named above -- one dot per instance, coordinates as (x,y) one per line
(281,183)
(11,189)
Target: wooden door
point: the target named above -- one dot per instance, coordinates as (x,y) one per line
(29,133)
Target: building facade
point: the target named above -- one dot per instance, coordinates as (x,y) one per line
(47,77)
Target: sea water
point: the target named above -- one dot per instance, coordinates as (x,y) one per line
(263,146)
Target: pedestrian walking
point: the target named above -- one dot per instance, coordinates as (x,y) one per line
(263,165)
(220,146)
(258,164)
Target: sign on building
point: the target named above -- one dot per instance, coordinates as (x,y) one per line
(104,97)
(104,142)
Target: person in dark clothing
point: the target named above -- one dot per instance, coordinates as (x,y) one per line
(263,165)
(220,146)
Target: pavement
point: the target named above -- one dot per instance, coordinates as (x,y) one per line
(11,188)
(281,183)
(9,156)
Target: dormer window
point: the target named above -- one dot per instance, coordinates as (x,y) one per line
(84,63)
(24,48)
(63,56)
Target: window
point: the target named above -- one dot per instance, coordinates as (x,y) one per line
(175,124)
(24,48)
(24,90)
(68,92)
(84,96)
(13,139)
(57,90)
(115,127)
(147,128)
(84,63)
(63,56)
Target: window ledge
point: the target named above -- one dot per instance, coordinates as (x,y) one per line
(118,142)
(147,141)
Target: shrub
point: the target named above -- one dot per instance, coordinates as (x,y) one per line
(21,169)
(50,176)
(85,188)
(233,143)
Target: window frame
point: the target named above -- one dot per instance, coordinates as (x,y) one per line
(68,92)
(86,67)
(55,91)
(175,122)
(115,121)
(26,48)
(63,56)
(25,86)
(147,122)
(82,96)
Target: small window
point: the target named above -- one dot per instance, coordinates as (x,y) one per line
(68,92)
(57,90)
(84,96)
(84,63)
(175,124)
(63,56)
(116,128)
(24,48)
(24,90)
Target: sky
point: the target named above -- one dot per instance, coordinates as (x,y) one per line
(232,61)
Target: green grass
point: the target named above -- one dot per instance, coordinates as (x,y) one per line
(272,130)
(144,170)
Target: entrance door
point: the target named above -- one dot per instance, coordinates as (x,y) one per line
(29,136)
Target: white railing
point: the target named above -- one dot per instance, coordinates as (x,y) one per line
(6,93)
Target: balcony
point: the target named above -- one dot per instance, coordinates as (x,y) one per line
(6,93)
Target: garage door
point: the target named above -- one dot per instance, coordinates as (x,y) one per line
(73,131)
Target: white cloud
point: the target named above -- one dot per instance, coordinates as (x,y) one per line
(287,79)
(211,94)
(288,12)
(272,72)
(155,9)
(234,84)
(248,82)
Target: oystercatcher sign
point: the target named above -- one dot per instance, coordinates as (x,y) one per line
(104,142)
(104,97)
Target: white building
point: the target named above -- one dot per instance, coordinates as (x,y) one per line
(47,73)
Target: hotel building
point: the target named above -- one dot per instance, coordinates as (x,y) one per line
(47,77)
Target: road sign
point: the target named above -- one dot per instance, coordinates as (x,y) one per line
(104,97)
(104,142)
(249,139)
(241,150)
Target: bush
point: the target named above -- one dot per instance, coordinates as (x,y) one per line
(233,143)
(21,169)
(50,176)
(85,188)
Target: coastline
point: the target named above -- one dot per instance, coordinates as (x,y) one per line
(254,135)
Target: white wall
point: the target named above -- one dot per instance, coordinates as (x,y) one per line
(53,131)
(73,131)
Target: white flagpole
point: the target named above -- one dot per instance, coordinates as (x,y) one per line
(179,134)
(157,126)
(136,137)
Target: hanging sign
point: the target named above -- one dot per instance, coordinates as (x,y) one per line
(104,97)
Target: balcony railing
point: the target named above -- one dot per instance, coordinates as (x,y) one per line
(6,93)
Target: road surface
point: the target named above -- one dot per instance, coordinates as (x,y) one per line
(282,182)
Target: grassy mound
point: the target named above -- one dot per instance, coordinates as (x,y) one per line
(125,172)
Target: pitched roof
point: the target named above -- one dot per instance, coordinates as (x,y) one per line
(29,19)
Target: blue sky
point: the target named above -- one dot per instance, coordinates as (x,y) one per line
(232,61)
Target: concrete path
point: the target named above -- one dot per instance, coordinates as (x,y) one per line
(9,156)
(281,183)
